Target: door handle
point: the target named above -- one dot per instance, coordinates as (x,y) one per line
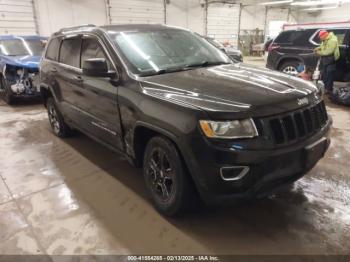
(53,70)
(78,78)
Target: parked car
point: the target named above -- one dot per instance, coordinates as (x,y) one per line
(178,107)
(234,54)
(19,66)
(294,47)
(267,44)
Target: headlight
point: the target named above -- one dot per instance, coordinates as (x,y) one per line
(229,129)
(19,72)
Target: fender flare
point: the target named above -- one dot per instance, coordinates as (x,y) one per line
(49,89)
(156,129)
(177,143)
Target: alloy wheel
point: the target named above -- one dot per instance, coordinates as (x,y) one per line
(160,175)
(290,70)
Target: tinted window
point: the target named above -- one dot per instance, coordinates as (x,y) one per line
(92,49)
(340,33)
(300,37)
(70,52)
(52,49)
(288,36)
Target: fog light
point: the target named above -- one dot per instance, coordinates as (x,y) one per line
(233,173)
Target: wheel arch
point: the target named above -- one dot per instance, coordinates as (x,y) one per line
(46,92)
(285,59)
(142,134)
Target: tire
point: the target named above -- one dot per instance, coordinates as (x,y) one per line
(6,92)
(58,126)
(289,67)
(165,176)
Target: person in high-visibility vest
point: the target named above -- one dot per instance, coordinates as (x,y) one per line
(329,52)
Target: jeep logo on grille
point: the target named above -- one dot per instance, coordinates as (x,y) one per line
(303,101)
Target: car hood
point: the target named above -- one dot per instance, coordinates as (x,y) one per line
(234,90)
(23,61)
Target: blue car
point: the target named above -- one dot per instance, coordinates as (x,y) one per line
(19,66)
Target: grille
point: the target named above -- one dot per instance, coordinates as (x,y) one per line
(298,124)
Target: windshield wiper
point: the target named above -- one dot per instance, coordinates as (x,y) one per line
(170,70)
(207,63)
(186,67)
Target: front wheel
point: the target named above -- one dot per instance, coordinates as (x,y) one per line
(166,177)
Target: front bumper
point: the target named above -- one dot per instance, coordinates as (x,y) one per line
(25,84)
(267,169)
(27,95)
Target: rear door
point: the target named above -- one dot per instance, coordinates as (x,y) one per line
(100,96)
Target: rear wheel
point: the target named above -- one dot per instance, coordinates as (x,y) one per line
(5,91)
(166,177)
(290,67)
(58,126)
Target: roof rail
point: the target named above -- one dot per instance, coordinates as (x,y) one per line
(75,27)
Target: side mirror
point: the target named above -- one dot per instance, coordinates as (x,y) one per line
(95,67)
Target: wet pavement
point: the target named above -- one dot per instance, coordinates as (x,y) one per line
(73,196)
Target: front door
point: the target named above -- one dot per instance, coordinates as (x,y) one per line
(100,97)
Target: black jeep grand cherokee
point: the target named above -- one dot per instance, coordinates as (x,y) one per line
(176,105)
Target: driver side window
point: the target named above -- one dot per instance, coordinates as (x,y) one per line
(92,49)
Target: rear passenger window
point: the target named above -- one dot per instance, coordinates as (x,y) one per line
(52,49)
(92,49)
(289,36)
(340,33)
(295,37)
(70,52)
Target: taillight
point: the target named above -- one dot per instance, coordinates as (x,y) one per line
(272,47)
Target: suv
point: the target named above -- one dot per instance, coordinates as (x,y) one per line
(294,47)
(177,106)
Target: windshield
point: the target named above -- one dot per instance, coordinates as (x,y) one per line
(22,47)
(215,42)
(166,50)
